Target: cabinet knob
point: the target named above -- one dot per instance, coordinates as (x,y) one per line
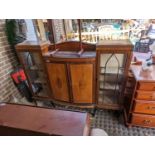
(147,121)
(151,96)
(150,108)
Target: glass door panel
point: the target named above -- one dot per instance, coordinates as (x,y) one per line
(35,72)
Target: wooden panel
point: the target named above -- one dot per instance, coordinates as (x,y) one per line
(33,46)
(146,107)
(58,80)
(28,120)
(143,120)
(146,86)
(82,82)
(145,95)
(73,46)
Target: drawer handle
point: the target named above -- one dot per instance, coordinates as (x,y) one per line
(147,121)
(150,108)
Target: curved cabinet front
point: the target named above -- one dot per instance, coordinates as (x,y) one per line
(58,81)
(72,80)
(82,82)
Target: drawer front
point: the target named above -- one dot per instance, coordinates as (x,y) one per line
(146,86)
(143,120)
(144,107)
(145,95)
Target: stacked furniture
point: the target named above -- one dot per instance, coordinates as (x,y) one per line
(94,76)
(140,97)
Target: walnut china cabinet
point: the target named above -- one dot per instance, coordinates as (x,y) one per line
(113,61)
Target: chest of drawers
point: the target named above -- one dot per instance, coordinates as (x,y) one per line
(139,102)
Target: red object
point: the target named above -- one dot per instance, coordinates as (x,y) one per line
(18,76)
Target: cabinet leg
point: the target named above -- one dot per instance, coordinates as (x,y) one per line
(129,126)
(35,102)
(52,103)
(94,112)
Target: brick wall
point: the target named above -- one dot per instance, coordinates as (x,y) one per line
(7,61)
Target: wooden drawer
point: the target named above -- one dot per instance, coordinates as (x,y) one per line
(146,86)
(145,95)
(143,120)
(146,107)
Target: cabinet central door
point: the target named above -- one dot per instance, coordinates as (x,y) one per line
(58,79)
(82,82)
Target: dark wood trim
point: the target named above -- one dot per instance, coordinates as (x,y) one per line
(50,26)
(69,82)
(79,24)
(64,26)
(73,46)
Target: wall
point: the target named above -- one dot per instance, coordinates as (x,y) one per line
(7,62)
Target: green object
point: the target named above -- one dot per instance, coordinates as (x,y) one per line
(10,29)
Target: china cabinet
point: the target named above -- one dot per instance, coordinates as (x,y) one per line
(30,55)
(113,61)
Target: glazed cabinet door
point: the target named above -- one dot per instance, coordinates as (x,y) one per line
(82,77)
(58,80)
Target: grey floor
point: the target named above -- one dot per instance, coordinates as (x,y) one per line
(114,125)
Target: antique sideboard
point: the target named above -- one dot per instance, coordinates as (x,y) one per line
(76,74)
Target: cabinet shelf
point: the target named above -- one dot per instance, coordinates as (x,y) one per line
(34,68)
(41,81)
(109,100)
(109,86)
(113,59)
(111,70)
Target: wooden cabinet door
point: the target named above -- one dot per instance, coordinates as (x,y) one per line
(58,80)
(82,83)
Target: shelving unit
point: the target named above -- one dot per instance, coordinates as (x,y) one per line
(113,58)
(32,61)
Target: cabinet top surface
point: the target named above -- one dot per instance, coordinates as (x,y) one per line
(33,43)
(71,54)
(141,75)
(114,43)
(49,121)
(27,45)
